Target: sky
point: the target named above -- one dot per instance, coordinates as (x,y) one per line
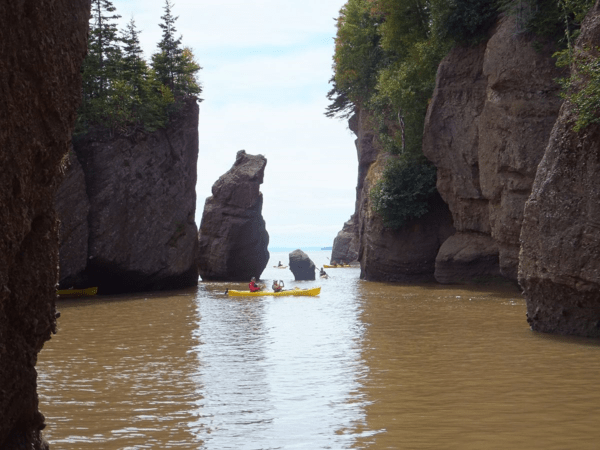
(266,66)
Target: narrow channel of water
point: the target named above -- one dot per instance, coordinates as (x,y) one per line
(363,366)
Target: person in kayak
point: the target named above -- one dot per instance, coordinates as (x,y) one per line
(277,285)
(322,273)
(279,265)
(253,286)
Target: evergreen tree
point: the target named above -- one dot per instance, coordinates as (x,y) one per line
(133,66)
(167,61)
(104,43)
(175,66)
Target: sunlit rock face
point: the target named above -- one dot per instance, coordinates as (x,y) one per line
(302,266)
(486,129)
(142,203)
(559,267)
(42,45)
(403,255)
(233,239)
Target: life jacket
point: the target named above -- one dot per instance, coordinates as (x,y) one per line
(253,287)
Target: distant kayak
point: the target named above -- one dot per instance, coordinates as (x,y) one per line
(338,266)
(66,293)
(281,267)
(303,292)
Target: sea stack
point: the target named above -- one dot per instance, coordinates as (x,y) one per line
(302,266)
(233,238)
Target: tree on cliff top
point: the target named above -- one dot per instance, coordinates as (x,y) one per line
(174,65)
(121,92)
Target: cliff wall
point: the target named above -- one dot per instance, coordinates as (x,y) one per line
(407,254)
(42,45)
(486,129)
(559,267)
(127,209)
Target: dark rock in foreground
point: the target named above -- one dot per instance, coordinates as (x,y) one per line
(42,46)
(302,266)
(559,268)
(233,238)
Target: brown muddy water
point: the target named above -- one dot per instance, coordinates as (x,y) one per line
(363,366)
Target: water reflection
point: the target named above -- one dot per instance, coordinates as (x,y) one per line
(279,373)
(365,366)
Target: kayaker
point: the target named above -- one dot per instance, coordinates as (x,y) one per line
(279,265)
(253,286)
(322,273)
(277,285)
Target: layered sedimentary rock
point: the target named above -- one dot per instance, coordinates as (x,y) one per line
(560,255)
(73,207)
(487,125)
(302,266)
(233,238)
(142,197)
(42,45)
(345,244)
(407,254)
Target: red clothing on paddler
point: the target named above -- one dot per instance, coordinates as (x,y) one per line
(254,287)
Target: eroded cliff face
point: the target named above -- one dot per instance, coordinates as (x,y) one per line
(233,239)
(559,267)
(345,244)
(42,45)
(486,129)
(127,209)
(404,255)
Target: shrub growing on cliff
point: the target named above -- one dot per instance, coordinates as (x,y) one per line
(404,191)
(582,88)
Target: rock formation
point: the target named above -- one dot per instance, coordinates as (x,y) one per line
(302,266)
(142,202)
(233,239)
(486,129)
(345,244)
(73,207)
(43,44)
(407,254)
(560,255)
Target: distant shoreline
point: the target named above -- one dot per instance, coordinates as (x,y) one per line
(291,249)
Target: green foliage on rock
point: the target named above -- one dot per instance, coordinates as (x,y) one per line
(121,92)
(582,87)
(386,58)
(404,191)
(468,21)
(173,64)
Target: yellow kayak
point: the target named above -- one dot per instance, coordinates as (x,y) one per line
(305,292)
(64,293)
(338,266)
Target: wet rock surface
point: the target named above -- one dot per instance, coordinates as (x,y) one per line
(559,267)
(302,266)
(486,129)
(233,239)
(42,45)
(142,196)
